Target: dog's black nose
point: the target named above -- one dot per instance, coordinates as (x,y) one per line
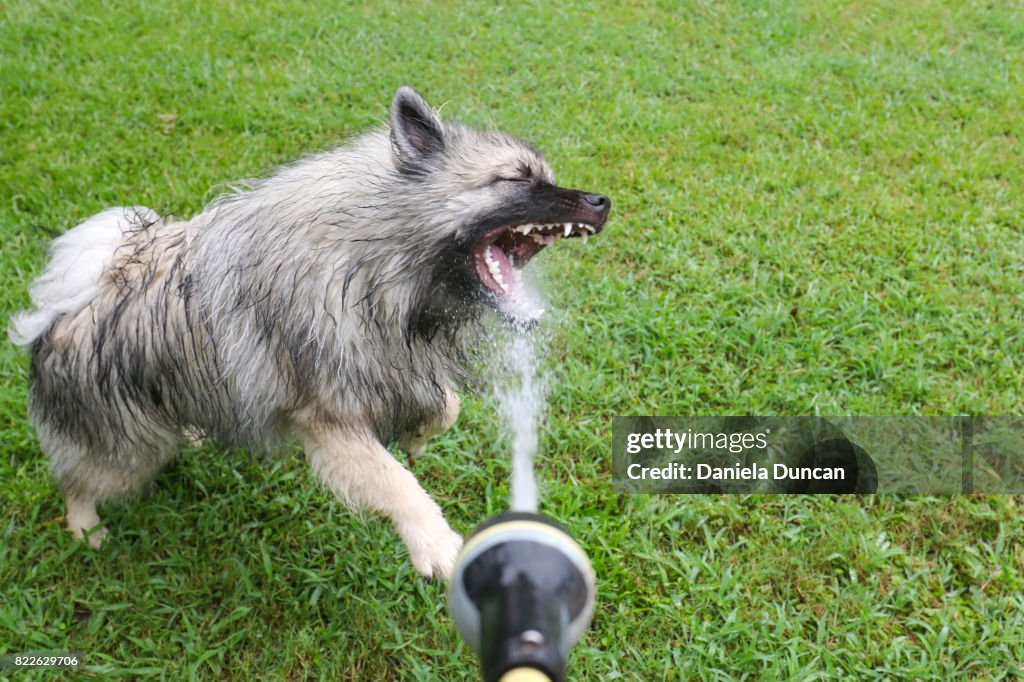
(598,202)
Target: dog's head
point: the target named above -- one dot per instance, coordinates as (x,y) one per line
(498,197)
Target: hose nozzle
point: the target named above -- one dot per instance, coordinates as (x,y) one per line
(522,594)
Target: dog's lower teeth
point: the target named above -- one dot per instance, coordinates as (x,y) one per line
(583,236)
(494,268)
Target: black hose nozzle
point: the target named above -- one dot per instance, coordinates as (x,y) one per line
(522,594)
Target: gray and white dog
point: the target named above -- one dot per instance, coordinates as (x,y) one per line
(335,300)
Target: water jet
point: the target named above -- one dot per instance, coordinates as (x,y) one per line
(522,592)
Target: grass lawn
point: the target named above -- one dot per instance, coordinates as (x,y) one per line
(817,209)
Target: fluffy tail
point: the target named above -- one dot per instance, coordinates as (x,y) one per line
(78,259)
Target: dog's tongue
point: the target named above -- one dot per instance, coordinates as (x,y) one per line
(497,272)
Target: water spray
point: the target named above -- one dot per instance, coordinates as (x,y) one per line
(522,591)
(522,594)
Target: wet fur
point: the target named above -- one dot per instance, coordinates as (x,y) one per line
(333,300)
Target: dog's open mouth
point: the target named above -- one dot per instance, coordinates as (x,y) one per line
(501,253)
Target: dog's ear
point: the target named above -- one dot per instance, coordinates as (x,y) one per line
(416,131)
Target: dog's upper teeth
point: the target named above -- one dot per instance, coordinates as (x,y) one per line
(568,229)
(525,229)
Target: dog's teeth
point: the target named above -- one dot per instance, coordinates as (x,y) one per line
(494,269)
(568,229)
(583,236)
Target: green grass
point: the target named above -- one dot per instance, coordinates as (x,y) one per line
(817,210)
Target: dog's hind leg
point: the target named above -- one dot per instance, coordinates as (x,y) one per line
(89,477)
(414,443)
(361,472)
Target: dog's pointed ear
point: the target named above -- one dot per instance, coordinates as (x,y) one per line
(416,131)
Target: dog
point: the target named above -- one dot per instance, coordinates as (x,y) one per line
(337,300)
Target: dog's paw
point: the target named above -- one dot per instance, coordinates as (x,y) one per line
(434,554)
(95,537)
(83,522)
(414,444)
(194,436)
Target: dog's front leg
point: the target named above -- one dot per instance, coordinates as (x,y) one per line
(361,472)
